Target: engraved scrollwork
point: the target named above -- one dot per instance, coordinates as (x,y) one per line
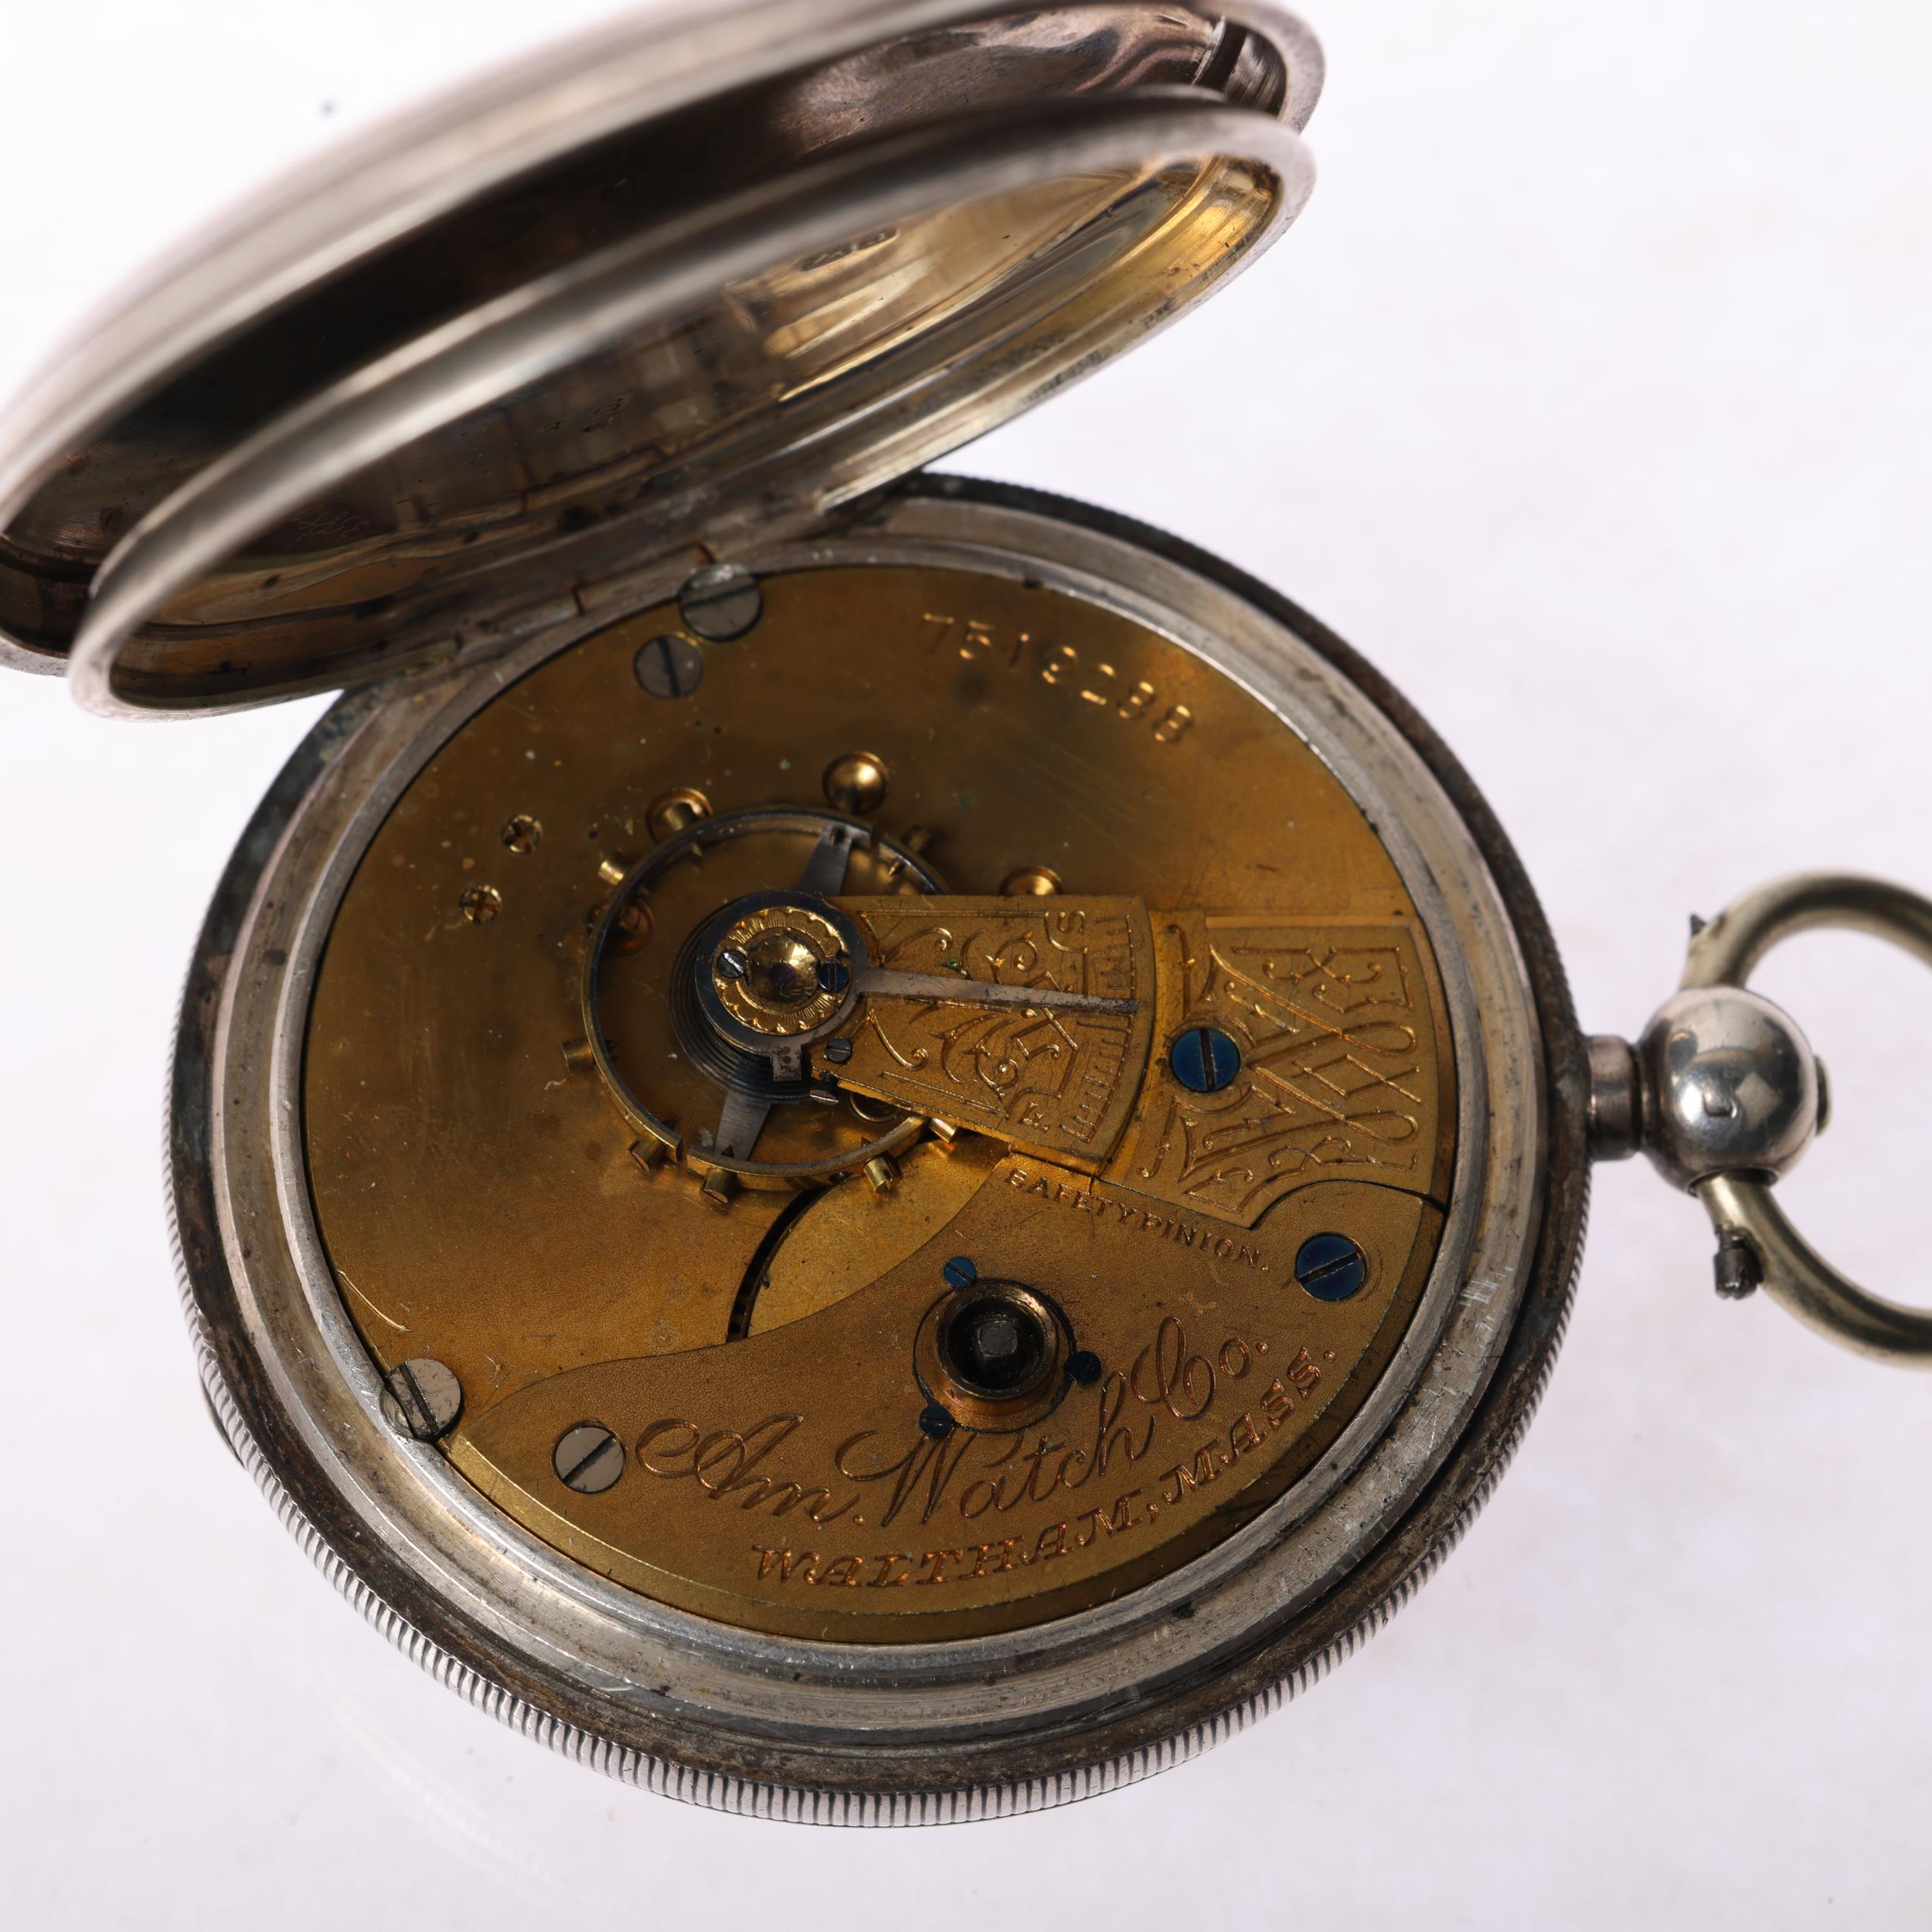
(1337,1059)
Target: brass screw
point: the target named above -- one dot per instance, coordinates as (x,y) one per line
(522,834)
(857,782)
(719,1185)
(480,904)
(1030,882)
(629,929)
(614,868)
(676,809)
(882,1172)
(577,1055)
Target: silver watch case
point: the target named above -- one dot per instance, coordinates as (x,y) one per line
(263,475)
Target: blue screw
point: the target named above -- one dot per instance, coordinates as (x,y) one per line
(960,1272)
(934,1421)
(1084,1366)
(834,975)
(1204,1059)
(1330,1267)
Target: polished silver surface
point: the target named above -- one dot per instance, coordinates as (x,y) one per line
(634,1686)
(1729,1086)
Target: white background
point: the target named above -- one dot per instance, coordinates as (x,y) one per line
(1591,398)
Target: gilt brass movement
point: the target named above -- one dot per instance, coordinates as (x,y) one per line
(912,1193)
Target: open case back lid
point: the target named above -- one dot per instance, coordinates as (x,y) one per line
(686,282)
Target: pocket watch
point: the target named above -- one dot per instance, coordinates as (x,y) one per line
(763,1172)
